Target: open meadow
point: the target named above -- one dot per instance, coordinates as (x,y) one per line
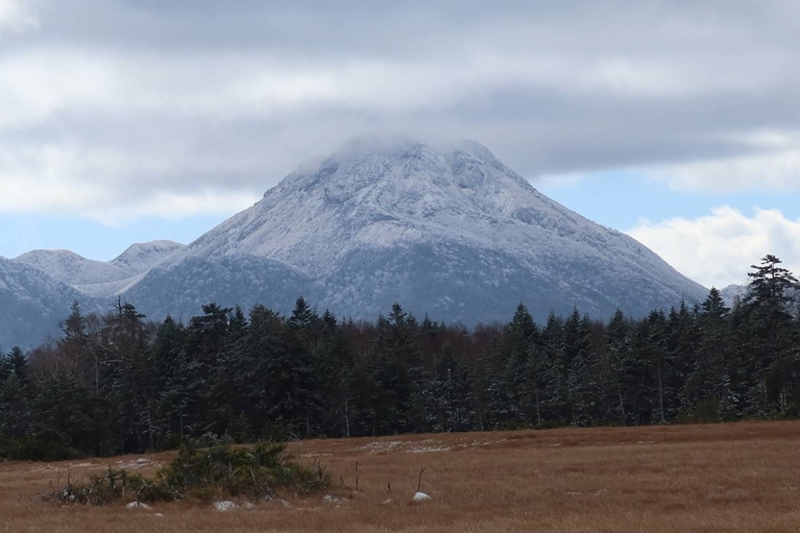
(725,478)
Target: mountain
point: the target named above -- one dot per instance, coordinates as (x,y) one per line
(451,232)
(38,287)
(71,268)
(182,289)
(31,303)
(99,279)
(141,257)
(733,293)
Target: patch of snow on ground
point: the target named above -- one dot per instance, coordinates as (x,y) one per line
(137,505)
(397,446)
(225,506)
(141,462)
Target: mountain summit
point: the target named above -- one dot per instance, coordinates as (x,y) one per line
(452,232)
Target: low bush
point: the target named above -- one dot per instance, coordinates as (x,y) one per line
(250,473)
(44,446)
(111,486)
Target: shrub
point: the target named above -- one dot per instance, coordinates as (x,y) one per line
(247,472)
(44,446)
(113,485)
(203,474)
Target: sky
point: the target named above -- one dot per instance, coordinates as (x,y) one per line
(678,122)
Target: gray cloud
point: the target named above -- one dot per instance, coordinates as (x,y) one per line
(117,108)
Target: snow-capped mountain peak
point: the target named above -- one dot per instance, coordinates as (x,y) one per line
(141,257)
(446,230)
(344,220)
(71,268)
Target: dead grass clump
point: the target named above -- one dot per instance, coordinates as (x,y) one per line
(112,486)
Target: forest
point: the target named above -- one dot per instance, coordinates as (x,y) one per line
(119,383)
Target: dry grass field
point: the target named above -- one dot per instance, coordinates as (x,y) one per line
(724,478)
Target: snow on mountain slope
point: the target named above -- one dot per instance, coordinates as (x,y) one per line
(32,303)
(141,257)
(182,290)
(449,232)
(71,268)
(98,279)
(733,293)
(452,232)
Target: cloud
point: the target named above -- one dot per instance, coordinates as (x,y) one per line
(172,99)
(717,250)
(775,166)
(17,17)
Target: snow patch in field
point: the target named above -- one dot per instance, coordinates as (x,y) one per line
(141,462)
(398,446)
(137,505)
(225,506)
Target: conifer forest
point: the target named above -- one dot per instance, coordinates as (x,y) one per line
(119,383)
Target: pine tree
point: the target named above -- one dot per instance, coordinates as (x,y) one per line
(767,305)
(706,384)
(618,376)
(167,364)
(582,368)
(16,399)
(556,366)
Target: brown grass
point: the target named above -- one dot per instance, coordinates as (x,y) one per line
(723,478)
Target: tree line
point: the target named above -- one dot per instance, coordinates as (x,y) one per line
(119,383)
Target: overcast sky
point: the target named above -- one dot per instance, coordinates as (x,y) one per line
(132,120)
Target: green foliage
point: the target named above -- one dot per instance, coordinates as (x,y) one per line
(44,446)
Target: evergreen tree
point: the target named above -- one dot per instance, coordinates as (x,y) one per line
(16,416)
(772,334)
(705,392)
(118,383)
(618,377)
